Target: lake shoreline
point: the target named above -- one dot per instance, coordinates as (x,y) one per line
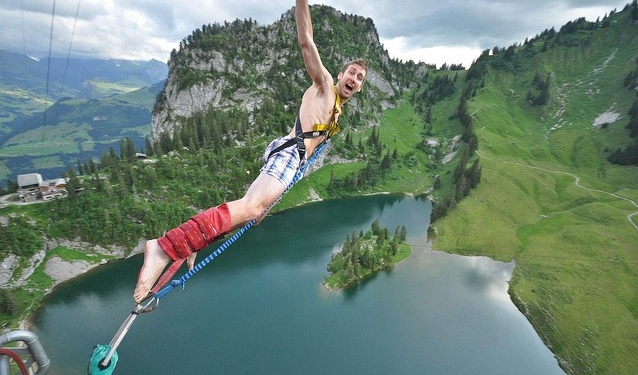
(61,270)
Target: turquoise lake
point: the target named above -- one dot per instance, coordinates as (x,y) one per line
(259,308)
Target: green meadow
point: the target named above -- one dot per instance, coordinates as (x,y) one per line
(550,201)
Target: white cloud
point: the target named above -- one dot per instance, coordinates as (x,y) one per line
(432,31)
(438,55)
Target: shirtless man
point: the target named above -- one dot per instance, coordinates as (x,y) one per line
(321,104)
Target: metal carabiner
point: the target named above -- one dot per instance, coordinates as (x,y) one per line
(145,305)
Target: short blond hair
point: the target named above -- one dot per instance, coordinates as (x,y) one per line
(361,62)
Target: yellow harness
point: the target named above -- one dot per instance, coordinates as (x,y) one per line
(333,127)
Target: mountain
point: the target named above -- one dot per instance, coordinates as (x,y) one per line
(59,110)
(262,66)
(73,130)
(77,78)
(88,110)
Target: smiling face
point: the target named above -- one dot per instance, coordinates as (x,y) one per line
(351,78)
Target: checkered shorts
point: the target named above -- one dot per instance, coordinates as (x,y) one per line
(284,164)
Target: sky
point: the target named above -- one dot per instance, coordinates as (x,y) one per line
(430,31)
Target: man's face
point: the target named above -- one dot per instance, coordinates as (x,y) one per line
(351,81)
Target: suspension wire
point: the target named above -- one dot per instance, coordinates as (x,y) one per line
(46,89)
(24,38)
(68,55)
(27,82)
(24,43)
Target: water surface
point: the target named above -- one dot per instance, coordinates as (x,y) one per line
(259,308)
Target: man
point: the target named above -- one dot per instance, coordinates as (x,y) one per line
(317,120)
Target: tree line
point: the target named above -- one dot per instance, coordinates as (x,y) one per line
(629,154)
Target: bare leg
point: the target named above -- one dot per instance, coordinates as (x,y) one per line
(261,193)
(259,196)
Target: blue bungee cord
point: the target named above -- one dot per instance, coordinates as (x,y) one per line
(182,280)
(99,363)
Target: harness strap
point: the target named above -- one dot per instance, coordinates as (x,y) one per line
(318,131)
(299,137)
(298,140)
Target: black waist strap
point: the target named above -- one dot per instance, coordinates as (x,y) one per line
(298,140)
(299,137)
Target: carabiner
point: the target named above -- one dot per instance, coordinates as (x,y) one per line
(145,305)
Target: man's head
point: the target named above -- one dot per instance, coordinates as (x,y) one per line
(351,78)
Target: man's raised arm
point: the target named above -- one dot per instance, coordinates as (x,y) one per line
(309,51)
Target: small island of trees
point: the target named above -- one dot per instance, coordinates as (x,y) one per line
(366,253)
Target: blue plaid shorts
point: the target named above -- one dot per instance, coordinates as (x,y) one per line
(284,164)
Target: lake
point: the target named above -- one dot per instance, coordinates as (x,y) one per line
(259,308)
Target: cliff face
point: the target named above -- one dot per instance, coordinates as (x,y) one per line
(241,64)
(183,103)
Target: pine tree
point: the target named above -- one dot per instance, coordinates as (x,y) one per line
(403,234)
(375,227)
(474,174)
(79,167)
(73,183)
(148,146)
(386,164)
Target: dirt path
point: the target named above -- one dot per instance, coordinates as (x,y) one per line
(577,183)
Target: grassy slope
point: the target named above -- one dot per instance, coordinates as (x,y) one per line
(573,245)
(400,129)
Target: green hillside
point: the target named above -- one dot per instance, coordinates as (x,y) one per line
(53,112)
(29,85)
(550,200)
(74,129)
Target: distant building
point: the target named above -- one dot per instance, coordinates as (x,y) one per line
(31,187)
(52,188)
(30,181)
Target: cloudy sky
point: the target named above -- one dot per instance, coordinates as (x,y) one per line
(432,31)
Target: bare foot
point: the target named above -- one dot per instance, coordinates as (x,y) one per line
(154,262)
